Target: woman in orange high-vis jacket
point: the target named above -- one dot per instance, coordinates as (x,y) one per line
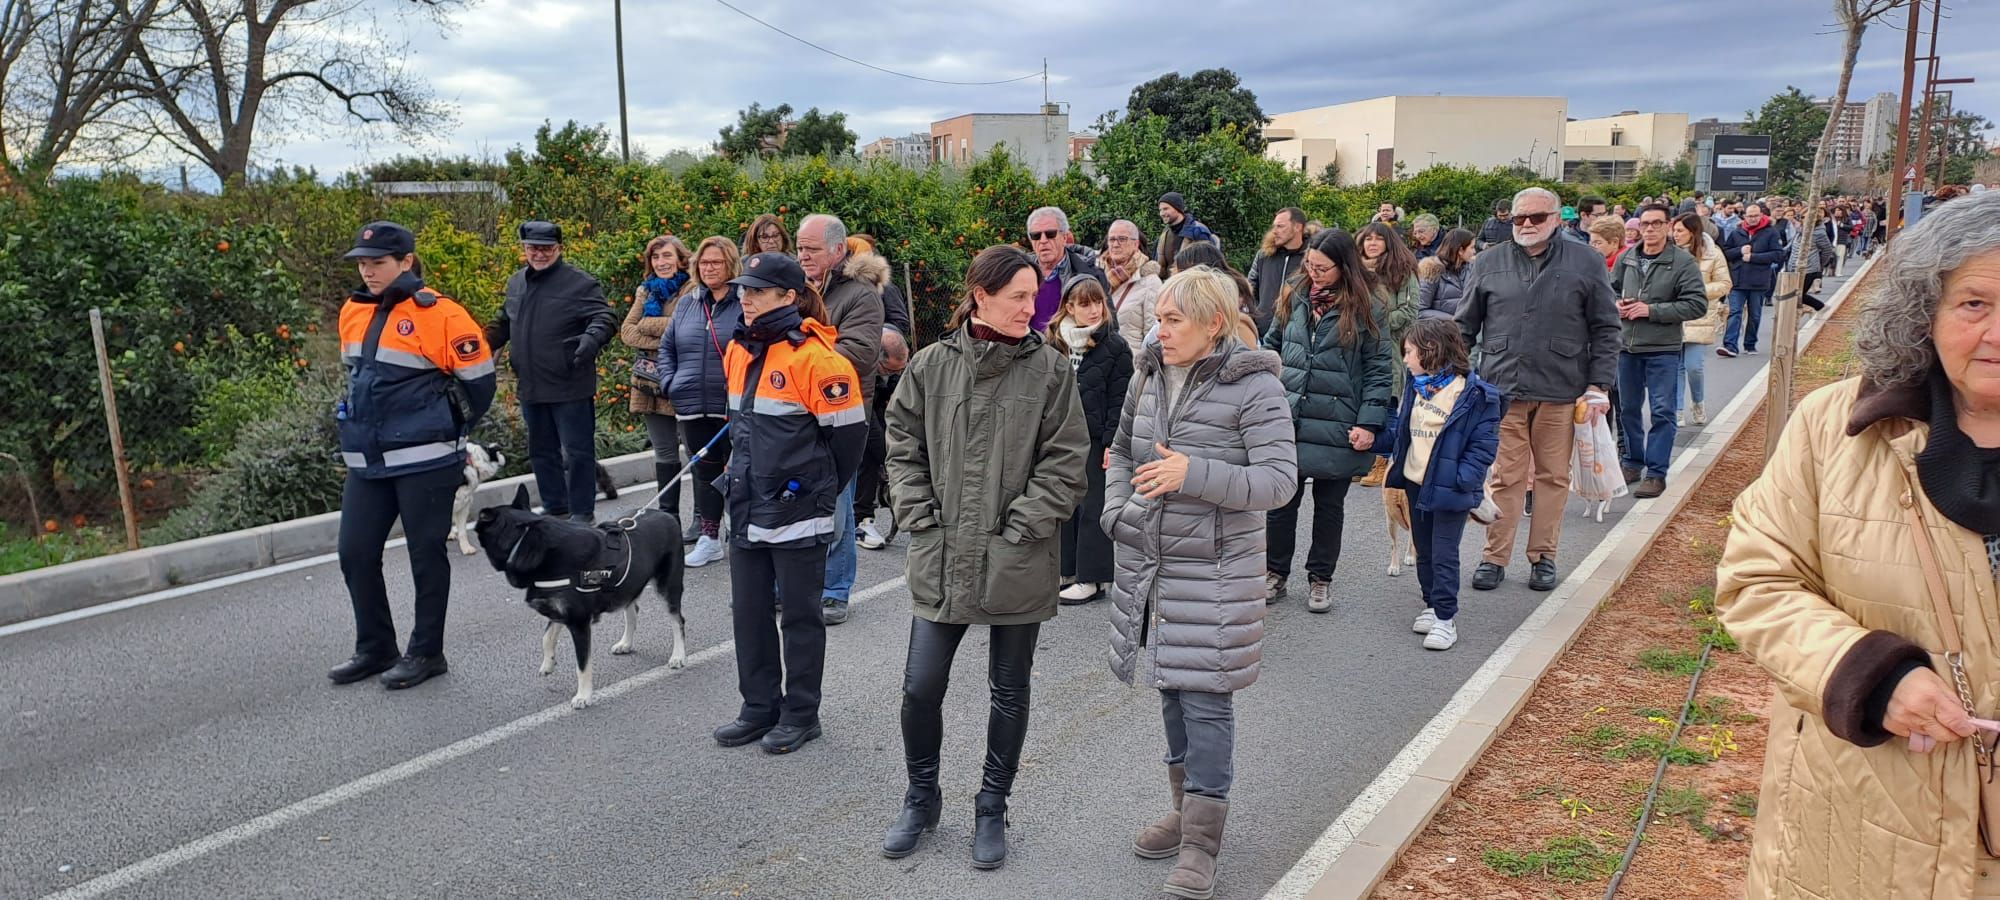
(419,376)
(797,428)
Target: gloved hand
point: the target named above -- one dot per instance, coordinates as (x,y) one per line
(584,353)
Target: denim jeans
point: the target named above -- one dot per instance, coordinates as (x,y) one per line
(1649,382)
(562,451)
(1694,357)
(1201,734)
(1745,308)
(840,555)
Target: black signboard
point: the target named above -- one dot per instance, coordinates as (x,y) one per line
(1741,164)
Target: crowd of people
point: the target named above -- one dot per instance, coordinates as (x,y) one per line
(1092,423)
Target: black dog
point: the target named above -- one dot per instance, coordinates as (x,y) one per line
(575,573)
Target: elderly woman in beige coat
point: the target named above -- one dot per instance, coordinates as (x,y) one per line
(1881,505)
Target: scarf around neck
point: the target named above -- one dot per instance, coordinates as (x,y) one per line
(1430,385)
(1960,477)
(660,291)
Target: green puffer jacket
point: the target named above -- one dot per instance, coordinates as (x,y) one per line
(1332,388)
(986,449)
(1673,291)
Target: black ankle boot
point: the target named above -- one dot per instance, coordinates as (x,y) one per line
(921,807)
(989,830)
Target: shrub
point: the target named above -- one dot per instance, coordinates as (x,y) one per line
(284,466)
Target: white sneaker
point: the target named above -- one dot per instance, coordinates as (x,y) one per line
(1444,633)
(866,537)
(706,550)
(1081,590)
(1426,621)
(1700,415)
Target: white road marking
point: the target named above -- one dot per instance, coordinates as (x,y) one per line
(146,868)
(1376,796)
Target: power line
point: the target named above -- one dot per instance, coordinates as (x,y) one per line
(877,68)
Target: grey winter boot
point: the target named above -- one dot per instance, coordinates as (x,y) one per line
(1201,839)
(1163,838)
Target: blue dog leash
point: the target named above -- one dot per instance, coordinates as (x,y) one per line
(651,505)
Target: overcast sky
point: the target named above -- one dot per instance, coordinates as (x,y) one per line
(691,64)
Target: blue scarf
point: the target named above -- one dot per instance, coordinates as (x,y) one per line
(660,290)
(1429,385)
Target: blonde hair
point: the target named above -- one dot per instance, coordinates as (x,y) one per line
(732,264)
(1610,229)
(1205,296)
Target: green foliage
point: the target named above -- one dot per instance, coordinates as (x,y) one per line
(173,291)
(424,168)
(1208,101)
(1571,858)
(242,382)
(820,134)
(1232,189)
(756,133)
(283,466)
(21,552)
(571,177)
(1685,803)
(1461,197)
(1795,124)
(1744,805)
(1662,661)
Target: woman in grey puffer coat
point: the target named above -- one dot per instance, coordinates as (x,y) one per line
(1205,447)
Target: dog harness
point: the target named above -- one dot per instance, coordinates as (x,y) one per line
(588,581)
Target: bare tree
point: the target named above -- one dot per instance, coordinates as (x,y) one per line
(214,71)
(63,79)
(1854,17)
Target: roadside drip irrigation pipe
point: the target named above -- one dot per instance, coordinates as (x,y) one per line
(1659,776)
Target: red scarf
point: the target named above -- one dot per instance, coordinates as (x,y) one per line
(1752,230)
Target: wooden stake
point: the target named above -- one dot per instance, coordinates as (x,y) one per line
(117,436)
(1784,348)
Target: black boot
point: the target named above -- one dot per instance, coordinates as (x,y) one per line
(989,830)
(921,807)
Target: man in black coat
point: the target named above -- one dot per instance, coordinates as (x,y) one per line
(558,313)
(1754,249)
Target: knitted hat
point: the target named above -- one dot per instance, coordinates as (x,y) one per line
(1175,200)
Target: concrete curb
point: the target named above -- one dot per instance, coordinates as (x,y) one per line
(1366,860)
(90,582)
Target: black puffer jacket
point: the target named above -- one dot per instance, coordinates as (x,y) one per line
(1101,378)
(557,321)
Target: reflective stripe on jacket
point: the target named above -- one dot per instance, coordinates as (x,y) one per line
(797,429)
(419,376)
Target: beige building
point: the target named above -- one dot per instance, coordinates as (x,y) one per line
(1368,139)
(1039,140)
(1617,147)
(912,150)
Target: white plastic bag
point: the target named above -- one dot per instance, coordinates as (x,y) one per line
(1594,474)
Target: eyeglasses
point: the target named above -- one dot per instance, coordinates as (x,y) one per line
(1121,239)
(1043,235)
(1328,269)
(710,263)
(1532,218)
(540,248)
(1651,223)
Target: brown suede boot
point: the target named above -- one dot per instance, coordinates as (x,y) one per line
(1193,876)
(1163,838)
(1377,473)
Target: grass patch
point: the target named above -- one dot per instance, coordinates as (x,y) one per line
(1686,804)
(1712,633)
(1707,711)
(1744,805)
(1601,737)
(1701,601)
(1572,859)
(1654,746)
(1662,661)
(20,551)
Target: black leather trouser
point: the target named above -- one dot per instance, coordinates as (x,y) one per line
(927,674)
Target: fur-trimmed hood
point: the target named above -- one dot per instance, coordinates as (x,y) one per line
(868,268)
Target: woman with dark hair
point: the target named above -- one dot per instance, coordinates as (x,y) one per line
(1860,574)
(693,380)
(987,447)
(1392,274)
(419,377)
(797,430)
(1338,365)
(1697,335)
(1085,330)
(668,268)
(767,234)
(1441,279)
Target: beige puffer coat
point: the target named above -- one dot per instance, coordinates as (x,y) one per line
(1821,585)
(1716,283)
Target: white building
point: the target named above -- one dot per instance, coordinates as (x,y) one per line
(1040,140)
(1369,139)
(1617,147)
(912,150)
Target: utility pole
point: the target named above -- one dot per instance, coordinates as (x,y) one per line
(1903,120)
(624,127)
(1930,99)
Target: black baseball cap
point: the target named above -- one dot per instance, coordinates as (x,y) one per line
(383,239)
(541,234)
(772,270)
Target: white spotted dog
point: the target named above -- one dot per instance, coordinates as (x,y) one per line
(575,573)
(481,462)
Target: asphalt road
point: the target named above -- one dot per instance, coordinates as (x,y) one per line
(197,738)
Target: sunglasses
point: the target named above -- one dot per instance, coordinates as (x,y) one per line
(1532,218)
(1043,235)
